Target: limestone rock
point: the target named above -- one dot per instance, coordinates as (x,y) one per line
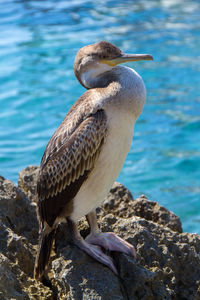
(16,211)
(18,235)
(27,181)
(167,266)
(121,203)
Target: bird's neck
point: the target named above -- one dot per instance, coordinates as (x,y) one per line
(121,88)
(98,76)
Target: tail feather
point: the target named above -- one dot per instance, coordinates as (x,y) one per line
(43,252)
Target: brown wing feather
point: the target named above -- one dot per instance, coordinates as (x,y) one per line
(78,112)
(63,172)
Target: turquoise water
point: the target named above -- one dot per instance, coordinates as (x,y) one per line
(38,43)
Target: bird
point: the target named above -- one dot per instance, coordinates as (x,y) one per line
(86,153)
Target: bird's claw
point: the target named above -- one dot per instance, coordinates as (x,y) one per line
(112,242)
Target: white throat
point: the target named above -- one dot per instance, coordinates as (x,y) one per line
(89,76)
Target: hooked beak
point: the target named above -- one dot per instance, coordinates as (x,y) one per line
(126,58)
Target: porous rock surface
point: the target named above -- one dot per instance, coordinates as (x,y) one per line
(167,266)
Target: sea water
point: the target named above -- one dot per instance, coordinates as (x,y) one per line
(38,43)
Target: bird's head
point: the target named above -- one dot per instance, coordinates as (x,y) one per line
(96,59)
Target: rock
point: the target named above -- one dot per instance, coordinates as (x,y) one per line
(16,211)
(85,279)
(18,238)
(10,286)
(27,181)
(14,284)
(121,203)
(167,266)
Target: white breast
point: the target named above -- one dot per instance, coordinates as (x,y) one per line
(108,165)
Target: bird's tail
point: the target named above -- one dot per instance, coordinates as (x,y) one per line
(43,253)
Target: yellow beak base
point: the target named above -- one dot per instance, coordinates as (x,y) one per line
(126,58)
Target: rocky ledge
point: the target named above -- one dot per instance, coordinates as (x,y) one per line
(167,266)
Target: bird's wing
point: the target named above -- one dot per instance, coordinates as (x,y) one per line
(68,165)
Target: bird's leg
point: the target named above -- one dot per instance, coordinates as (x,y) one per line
(107,240)
(92,250)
